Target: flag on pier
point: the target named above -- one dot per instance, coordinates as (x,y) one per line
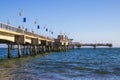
(46,29)
(38,27)
(24,19)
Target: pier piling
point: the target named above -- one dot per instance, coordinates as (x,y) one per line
(9,50)
(27,47)
(19,50)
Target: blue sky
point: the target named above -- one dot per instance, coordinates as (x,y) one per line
(86,21)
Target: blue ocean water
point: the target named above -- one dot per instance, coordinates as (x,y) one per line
(77,64)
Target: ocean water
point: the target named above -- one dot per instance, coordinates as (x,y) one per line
(77,64)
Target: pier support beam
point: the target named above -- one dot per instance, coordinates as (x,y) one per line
(35,49)
(31,50)
(19,50)
(44,48)
(48,49)
(9,50)
(65,47)
(27,49)
(39,49)
(73,47)
(94,46)
(52,48)
(23,49)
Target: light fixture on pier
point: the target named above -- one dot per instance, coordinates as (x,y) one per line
(8,21)
(21,14)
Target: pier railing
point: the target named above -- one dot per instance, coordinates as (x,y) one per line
(7,27)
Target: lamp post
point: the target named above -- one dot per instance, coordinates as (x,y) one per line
(36,24)
(44,29)
(8,21)
(36,21)
(23,19)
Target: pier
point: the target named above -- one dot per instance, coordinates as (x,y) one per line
(79,45)
(29,42)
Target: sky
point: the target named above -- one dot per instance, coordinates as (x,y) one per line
(86,21)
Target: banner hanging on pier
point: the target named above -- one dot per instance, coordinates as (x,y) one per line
(38,27)
(24,19)
(46,29)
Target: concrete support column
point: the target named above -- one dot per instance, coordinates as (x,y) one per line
(69,47)
(23,49)
(39,49)
(9,50)
(56,48)
(27,49)
(49,48)
(31,50)
(52,48)
(65,48)
(61,48)
(94,46)
(35,49)
(44,48)
(19,50)
(73,47)
(79,47)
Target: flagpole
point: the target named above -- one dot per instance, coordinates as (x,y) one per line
(23,20)
(36,22)
(44,28)
(21,15)
(8,21)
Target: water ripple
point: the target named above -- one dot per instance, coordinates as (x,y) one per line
(83,64)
